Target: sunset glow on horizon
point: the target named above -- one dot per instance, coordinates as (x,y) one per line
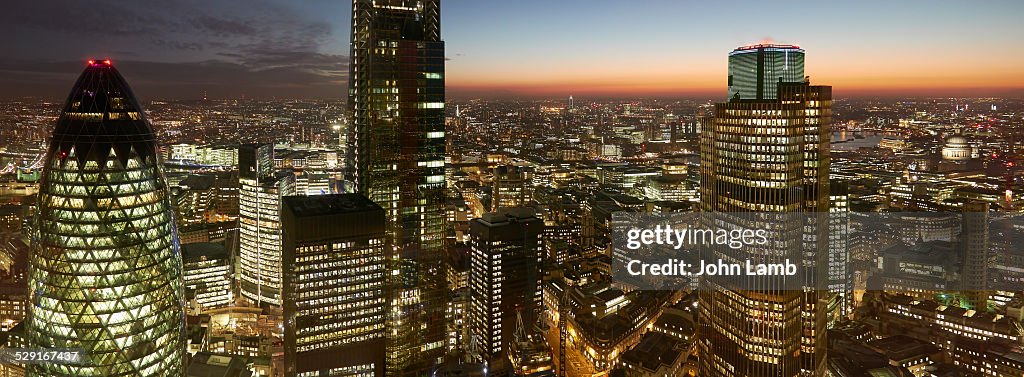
(544,48)
(651,48)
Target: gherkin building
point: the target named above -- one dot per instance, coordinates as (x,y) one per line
(105,269)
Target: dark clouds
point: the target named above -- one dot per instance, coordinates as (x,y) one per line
(177,48)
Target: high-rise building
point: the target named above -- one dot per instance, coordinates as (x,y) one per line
(756,70)
(504,277)
(840,273)
(334,285)
(767,151)
(105,272)
(974,245)
(259,223)
(396,102)
(511,187)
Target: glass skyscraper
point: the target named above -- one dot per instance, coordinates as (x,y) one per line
(105,270)
(259,223)
(397,137)
(768,154)
(755,71)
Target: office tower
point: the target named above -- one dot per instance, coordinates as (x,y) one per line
(208,282)
(756,70)
(457,310)
(396,102)
(840,275)
(259,223)
(105,272)
(504,277)
(767,153)
(334,275)
(974,243)
(511,187)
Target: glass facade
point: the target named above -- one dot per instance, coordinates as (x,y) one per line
(105,273)
(755,71)
(768,155)
(396,99)
(259,223)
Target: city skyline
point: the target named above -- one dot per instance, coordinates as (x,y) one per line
(531,189)
(266,49)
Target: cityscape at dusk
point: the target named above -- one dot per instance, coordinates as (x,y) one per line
(270,188)
(285,49)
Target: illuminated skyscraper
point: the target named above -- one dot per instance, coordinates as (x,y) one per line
(768,153)
(840,274)
(511,187)
(396,100)
(105,272)
(504,277)
(334,288)
(259,223)
(755,71)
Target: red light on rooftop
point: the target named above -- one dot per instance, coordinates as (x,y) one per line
(91,62)
(107,62)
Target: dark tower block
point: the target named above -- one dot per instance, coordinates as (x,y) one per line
(396,102)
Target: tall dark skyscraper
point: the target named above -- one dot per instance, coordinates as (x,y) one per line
(768,153)
(334,273)
(504,277)
(105,271)
(396,101)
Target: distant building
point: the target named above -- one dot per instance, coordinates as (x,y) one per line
(208,280)
(958,149)
(334,285)
(205,364)
(13,303)
(974,251)
(511,187)
(840,274)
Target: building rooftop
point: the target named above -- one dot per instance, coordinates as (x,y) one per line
(199,250)
(903,347)
(767,45)
(319,205)
(205,364)
(655,349)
